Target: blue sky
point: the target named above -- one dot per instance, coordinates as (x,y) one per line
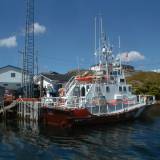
(66,31)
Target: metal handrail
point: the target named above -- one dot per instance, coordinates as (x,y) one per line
(68,84)
(82,102)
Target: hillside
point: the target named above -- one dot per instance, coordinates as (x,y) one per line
(146,83)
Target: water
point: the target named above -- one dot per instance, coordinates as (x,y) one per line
(131,140)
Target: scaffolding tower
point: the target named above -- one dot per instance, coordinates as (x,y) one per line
(28,54)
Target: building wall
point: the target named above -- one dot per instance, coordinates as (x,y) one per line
(8,81)
(12,86)
(45,83)
(6,77)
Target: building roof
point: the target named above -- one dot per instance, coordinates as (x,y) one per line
(60,78)
(10,66)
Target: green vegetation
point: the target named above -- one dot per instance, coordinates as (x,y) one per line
(146,83)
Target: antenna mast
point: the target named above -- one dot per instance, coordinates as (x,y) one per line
(28,58)
(95,40)
(119,47)
(36,63)
(119,43)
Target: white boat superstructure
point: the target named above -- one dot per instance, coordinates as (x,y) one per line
(102,90)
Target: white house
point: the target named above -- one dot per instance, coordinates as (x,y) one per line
(49,79)
(10,77)
(52,80)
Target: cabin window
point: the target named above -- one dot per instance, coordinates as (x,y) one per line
(115,73)
(13,75)
(120,88)
(98,89)
(76,91)
(104,72)
(124,89)
(121,80)
(18,85)
(130,89)
(87,88)
(111,78)
(107,89)
(5,84)
(83,91)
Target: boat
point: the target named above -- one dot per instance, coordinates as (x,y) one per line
(98,97)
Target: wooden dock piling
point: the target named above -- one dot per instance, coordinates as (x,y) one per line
(28,109)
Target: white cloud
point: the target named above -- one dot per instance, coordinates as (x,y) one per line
(131,56)
(39,28)
(8,42)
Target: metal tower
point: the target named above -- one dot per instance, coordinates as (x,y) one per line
(28,55)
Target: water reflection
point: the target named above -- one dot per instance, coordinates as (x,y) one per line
(131,140)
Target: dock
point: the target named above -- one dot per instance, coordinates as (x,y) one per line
(7,108)
(26,109)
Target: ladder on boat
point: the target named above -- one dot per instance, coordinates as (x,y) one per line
(69,84)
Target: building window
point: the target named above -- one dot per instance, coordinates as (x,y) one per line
(107,89)
(5,84)
(13,75)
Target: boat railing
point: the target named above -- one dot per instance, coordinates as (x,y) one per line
(101,107)
(61,102)
(147,99)
(51,102)
(96,106)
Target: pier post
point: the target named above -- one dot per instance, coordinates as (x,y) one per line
(28,110)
